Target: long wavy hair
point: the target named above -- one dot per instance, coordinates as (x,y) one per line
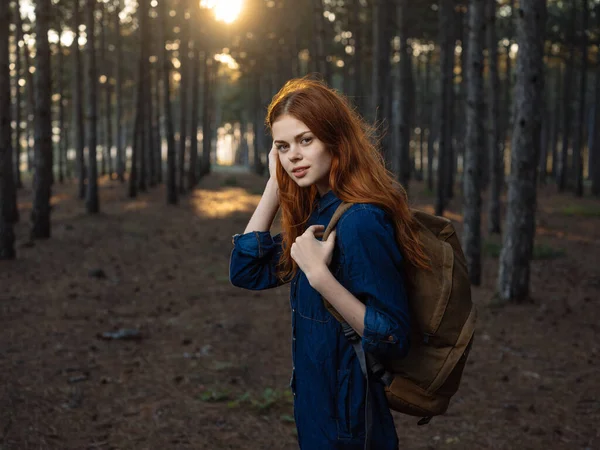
(358,173)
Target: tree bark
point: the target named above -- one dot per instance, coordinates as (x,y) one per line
(493,140)
(406,84)
(555,123)
(474,141)
(445,14)
(579,145)
(172,197)
(567,103)
(61,112)
(193,167)
(517,250)
(7,187)
(120,163)
(18,111)
(78,121)
(183,94)
(40,212)
(108,133)
(92,202)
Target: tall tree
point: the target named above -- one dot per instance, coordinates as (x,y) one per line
(517,249)
(578,144)
(168,115)
(474,141)
(595,147)
(29,89)
(120,163)
(381,73)
(568,101)
(141,129)
(195,80)
(405,85)
(446,44)
(92,203)
(493,132)
(184,25)
(107,157)
(7,187)
(62,149)
(319,45)
(40,211)
(18,114)
(77,95)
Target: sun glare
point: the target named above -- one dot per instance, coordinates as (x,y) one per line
(225,10)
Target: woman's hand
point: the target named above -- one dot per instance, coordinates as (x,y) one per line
(311,255)
(273,164)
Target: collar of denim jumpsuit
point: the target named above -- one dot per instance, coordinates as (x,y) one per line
(322,203)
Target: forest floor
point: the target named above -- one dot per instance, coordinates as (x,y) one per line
(206,365)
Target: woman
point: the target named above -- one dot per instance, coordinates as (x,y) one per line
(321,156)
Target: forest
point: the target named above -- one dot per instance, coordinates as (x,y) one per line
(133,145)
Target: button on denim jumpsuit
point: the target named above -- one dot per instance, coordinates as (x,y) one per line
(328,385)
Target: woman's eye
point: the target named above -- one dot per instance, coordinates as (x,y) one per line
(307,140)
(280,147)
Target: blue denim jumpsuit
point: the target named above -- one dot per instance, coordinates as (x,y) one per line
(327,383)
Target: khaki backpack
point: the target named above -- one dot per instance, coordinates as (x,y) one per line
(422,383)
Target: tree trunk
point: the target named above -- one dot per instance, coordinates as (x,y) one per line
(206,113)
(567,105)
(193,167)
(30,93)
(168,115)
(474,141)
(120,163)
(445,14)
(142,129)
(322,66)
(40,212)
(517,250)
(432,125)
(381,71)
(157,135)
(406,84)
(61,112)
(258,125)
(77,92)
(107,99)
(579,145)
(183,94)
(7,187)
(18,115)
(493,140)
(92,203)
(555,123)
(103,88)
(595,148)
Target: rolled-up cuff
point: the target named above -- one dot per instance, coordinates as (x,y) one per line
(253,243)
(381,335)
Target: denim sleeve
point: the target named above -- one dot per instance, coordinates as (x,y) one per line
(253,260)
(373,266)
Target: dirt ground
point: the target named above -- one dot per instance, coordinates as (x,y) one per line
(207,365)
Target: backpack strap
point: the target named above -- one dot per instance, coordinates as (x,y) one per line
(336,217)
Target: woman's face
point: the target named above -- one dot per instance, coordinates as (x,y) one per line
(297,148)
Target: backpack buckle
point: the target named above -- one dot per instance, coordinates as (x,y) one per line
(424,420)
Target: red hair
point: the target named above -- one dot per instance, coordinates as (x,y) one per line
(358,173)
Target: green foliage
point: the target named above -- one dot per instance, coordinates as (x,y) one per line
(266,401)
(546,252)
(581,210)
(213,396)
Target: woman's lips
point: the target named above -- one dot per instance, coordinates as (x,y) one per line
(300,173)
